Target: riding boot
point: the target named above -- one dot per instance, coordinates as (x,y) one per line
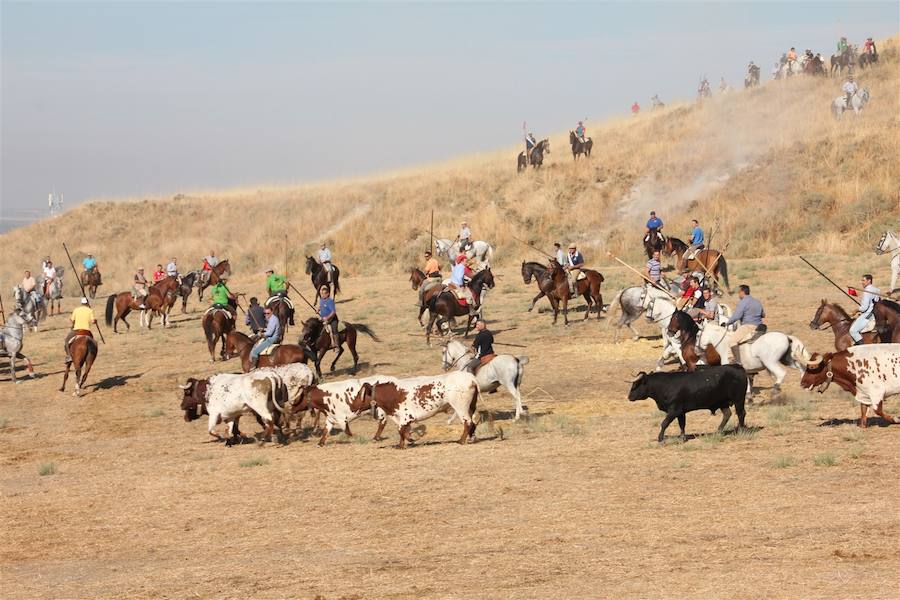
(69,337)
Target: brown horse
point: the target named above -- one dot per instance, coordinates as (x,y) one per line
(416,279)
(159,300)
(588,288)
(222,268)
(579,147)
(887,321)
(216,325)
(682,324)
(316,341)
(239,344)
(443,305)
(90,280)
(284,312)
(840,321)
(319,277)
(707,261)
(83,350)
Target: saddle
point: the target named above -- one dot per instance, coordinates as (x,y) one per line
(870,326)
(285,299)
(213,309)
(269,350)
(693,253)
(80,333)
(761,330)
(483,361)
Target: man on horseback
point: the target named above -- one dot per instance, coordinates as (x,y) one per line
(654,223)
(842,45)
(690,296)
(159,274)
(172,268)
(871,295)
(574,265)
(849,88)
(221,295)
(791,56)
(206,270)
(256,316)
(82,318)
(869,47)
(483,345)
(140,287)
(580,132)
(328,315)
(560,253)
(750,312)
(432,276)
(324,258)
(654,269)
(276,285)
(464,237)
(697,241)
(709,309)
(458,278)
(271,335)
(90,266)
(49,275)
(530,144)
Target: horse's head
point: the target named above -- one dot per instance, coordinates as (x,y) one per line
(487,277)
(526,273)
(310,262)
(572,137)
(879,247)
(545,145)
(224,268)
(231,344)
(681,321)
(312,328)
(414,278)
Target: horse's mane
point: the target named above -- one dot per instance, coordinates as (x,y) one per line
(536,265)
(839,310)
(890,304)
(417,270)
(686,324)
(679,245)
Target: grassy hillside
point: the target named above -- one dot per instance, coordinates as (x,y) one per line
(771,166)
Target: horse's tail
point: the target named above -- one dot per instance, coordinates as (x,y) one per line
(365,329)
(110,303)
(723,271)
(616,303)
(796,353)
(521,361)
(337,285)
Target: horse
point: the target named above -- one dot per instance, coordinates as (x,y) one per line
(707,261)
(687,330)
(90,281)
(217,323)
(479,250)
(12,336)
(537,156)
(588,288)
(83,350)
(889,242)
(654,240)
(417,279)
(505,369)
(239,344)
(814,66)
(319,277)
(186,286)
(857,102)
(538,272)
(31,304)
(887,320)
(867,60)
(659,307)
(223,268)
(316,342)
(834,315)
(444,306)
(842,61)
(52,291)
(752,77)
(579,147)
(161,297)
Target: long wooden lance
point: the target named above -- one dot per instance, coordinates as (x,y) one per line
(644,277)
(2,312)
(431,233)
(829,280)
(532,246)
(711,268)
(291,285)
(83,294)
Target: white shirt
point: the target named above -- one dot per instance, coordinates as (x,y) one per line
(211,261)
(850,87)
(49,272)
(867,304)
(465,233)
(561,257)
(324,255)
(171,269)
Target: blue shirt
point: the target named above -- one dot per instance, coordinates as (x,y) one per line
(869,297)
(654,223)
(696,236)
(749,311)
(89,263)
(326,307)
(273,327)
(458,274)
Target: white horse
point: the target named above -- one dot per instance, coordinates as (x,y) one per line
(11,338)
(770,352)
(857,102)
(631,302)
(479,249)
(31,303)
(790,68)
(891,243)
(506,370)
(54,292)
(660,307)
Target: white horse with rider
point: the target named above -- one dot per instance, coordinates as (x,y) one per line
(12,336)
(857,102)
(890,243)
(480,250)
(505,369)
(31,303)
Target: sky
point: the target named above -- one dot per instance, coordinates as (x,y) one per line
(101,100)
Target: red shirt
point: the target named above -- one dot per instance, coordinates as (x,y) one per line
(635,108)
(689,292)
(158,276)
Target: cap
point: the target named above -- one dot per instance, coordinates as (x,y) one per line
(270,270)
(572,246)
(84,300)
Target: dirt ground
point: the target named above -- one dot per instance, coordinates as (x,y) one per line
(577,501)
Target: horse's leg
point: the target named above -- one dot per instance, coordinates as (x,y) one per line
(78,365)
(535,299)
(351,344)
(28,364)
(88,363)
(62,388)
(554,304)
(565,305)
(340,350)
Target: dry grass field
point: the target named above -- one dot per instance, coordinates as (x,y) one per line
(113,495)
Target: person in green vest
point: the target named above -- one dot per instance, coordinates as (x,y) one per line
(222,296)
(276,284)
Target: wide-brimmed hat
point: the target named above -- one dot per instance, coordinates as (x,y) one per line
(572,246)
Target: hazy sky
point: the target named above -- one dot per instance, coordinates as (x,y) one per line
(125,99)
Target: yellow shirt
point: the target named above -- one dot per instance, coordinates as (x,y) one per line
(82,317)
(432,266)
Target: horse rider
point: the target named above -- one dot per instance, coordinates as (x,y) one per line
(653,222)
(328,315)
(46,260)
(871,295)
(458,281)
(560,253)
(580,132)
(635,108)
(656,101)
(276,285)
(842,45)
(723,85)
(849,88)
(869,47)
(172,268)
(271,335)
(49,275)
(464,237)
(140,288)
(221,295)
(792,56)
(432,276)
(574,265)
(808,53)
(325,260)
(482,345)
(775,70)
(209,262)
(90,265)
(654,269)
(29,284)
(530,144)
(697,241)
(750,312)
(82,318)
(709,309)
(690,296)
(159,274)
(256,316)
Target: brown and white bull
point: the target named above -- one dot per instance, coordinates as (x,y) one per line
(225,397)
(296,377)
(339,401)
(418,398)
(870,372)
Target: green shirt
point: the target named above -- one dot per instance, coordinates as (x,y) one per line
(220,294)
(275,283)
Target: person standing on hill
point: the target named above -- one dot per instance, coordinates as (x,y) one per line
(82,318)
(635,108)
(849,88)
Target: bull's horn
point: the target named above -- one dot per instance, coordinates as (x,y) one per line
(185,387)
(814,363)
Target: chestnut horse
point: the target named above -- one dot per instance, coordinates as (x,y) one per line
(416,279)
(216,325)
(832,314)
(316,341)
(239,344)
(159,300)
(588,288)
(682,324)
(707,261)
(90,280)
(887,321)
(443,305)
(222,268)
(83,350)
(538,272)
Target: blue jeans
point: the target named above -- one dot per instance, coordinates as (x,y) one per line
(259,347)
(858,324)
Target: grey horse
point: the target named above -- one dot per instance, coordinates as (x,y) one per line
(11,337)
(479,249)
(32,304)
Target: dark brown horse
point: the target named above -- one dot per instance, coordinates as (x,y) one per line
(316,342)
(284,312)
(223,268)
(319,276)
(588,288)
(579,147)
(216,325)
(537,156)
(887,320)
(91,281)
(538,272)
(832,314)
(416,279)
(686,328)
(443,306)
(707,261)
(239,344)
(159,300)
(653,241)
(83,350)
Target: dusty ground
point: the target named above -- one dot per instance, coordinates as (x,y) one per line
(577,501)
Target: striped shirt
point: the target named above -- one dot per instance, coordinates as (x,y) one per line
(655,269)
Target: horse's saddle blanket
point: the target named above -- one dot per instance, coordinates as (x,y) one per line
(581,275)
(342,327)
(213,309)
(693,253)
(284,298)
(484,360)
(269,350)
(870,326)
